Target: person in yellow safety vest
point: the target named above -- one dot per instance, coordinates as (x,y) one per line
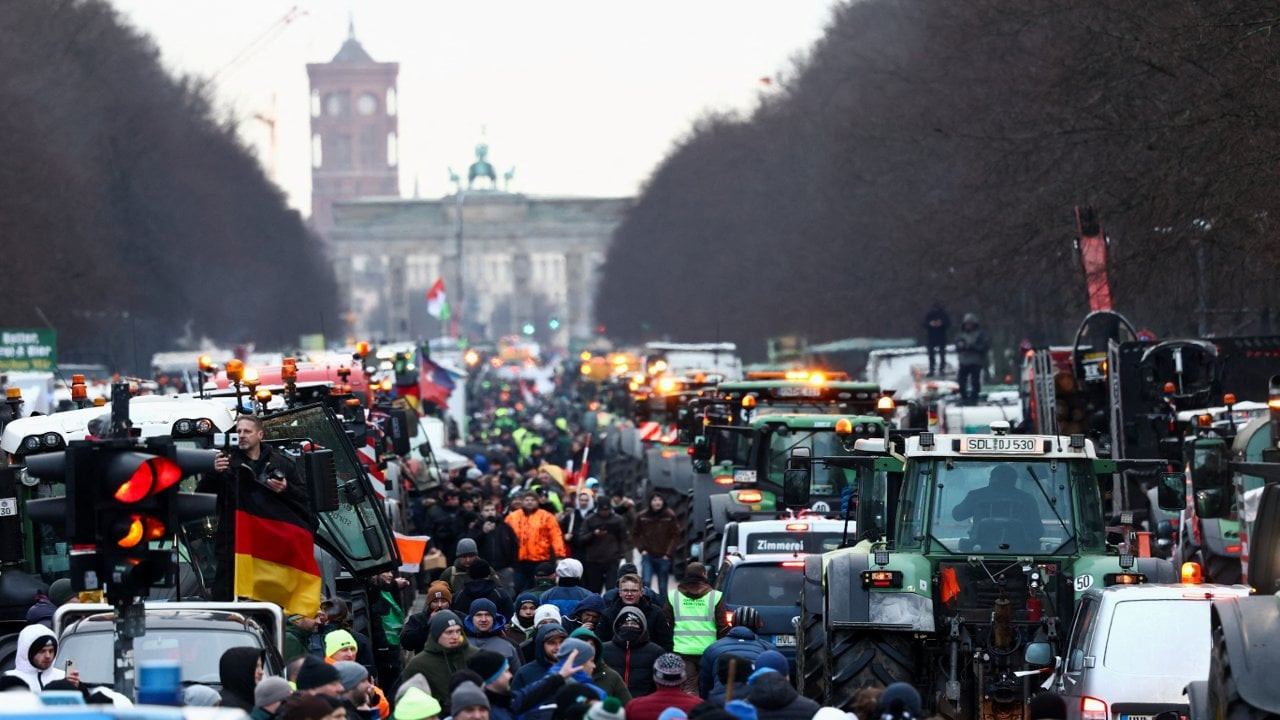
(698,618)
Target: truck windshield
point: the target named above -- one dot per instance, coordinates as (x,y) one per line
(1003,507)
(826,480)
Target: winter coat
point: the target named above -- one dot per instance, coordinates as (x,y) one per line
(445,528)
(775,699)
(606,536)
(22,667)
(236,672)
(633,659)
(511,705)
(574,524)
(488,589)
(592,602)
(605,677)
(657,533)
(566,595)
(936,335)
(649,707)
(436,663)
(739,641)
(495,640)
(972,343)
(538,534)
(499,546)
(655,620)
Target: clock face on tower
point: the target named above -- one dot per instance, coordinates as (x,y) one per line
(367,104)
(336,104)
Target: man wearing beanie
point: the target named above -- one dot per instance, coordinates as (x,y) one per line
(522,625)
(339,645)
(775,698)
(606,537)
(584,657)
(631,593)
(413,636)
(446,652)
(355,687)
(267,697)
(482,582)
(610,709)
(497,543)
(506,704)
(697,616)
(669,676)
(543,615)
(484,627)
(33,662)
(899,701)
(317,677)
(469,703)
(416,704)
(631,653)
(741,640)
(240,671)
(568,591)
(456,574)
(539,536)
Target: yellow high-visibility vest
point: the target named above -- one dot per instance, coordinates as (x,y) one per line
(695,621)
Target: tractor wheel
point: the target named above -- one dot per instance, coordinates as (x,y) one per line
(859,659)
(811,636)
(1264,544)
(1224,700)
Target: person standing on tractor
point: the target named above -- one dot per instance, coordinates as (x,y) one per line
(936,326)
(972,346)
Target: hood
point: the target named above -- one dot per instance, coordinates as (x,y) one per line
(484,604)
(236,670)
(694,587)
(541,637)
(27,638)
(770,691)
(590,602)
(585,634)
(971,318)
(479,587)
(631,611)
(738,632)
(591,504)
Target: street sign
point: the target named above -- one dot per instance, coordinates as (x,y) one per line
(22,349)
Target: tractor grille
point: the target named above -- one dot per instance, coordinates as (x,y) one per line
(978,586)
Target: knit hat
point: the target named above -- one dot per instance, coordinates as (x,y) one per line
(467,695)
(474,473)
(439,590)
(315,673)
(416,705)
(336,640)
(586,651)
(672,713)
(628,569)
(482,605)
(526,597)
(899,700)
(442,621)
(546,612)
(200,696)
(417,680)
(610,709)
(773,659)
(466,546)
(544,569)
(479,569)
(351,673)
(488,664)
(273,688)
(695,570)
(835,713)
(759,671)
(668,670)
(741,710)
(60,591)
(569,567)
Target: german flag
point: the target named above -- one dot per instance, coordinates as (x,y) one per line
(275,558)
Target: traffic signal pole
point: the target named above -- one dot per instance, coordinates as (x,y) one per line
(130,614)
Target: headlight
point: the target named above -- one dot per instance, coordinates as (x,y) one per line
(204,426)
(31,443)
(182,427)
(51,439)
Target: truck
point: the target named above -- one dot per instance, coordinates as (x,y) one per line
(972,552)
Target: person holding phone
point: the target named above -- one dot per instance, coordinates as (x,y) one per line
(33,662)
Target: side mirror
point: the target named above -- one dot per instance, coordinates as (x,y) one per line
(1209,466)
(1172,492)
(796,479)
(1212,502)
(1038,654)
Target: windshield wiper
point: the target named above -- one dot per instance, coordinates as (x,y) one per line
(1052,506)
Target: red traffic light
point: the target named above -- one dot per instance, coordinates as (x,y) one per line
(150,474)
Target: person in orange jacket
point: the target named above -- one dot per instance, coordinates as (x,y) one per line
(539,535)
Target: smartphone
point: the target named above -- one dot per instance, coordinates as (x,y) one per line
(68,666)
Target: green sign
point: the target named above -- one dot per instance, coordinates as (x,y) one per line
(311,343)
(28,349)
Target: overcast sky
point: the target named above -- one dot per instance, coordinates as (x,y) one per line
(583,97)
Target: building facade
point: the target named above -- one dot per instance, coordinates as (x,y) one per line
(527,263)
(354,125)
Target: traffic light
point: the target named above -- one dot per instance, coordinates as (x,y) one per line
(553,323)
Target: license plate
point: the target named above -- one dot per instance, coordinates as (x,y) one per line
(1000,444)
(8,507)
(1137,717)
(790,641)
(804,391)
(746,477)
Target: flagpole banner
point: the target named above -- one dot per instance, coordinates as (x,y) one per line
(437,304)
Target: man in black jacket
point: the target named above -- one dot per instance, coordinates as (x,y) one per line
(252,475)
(607,535)
(496,542)
(630,594)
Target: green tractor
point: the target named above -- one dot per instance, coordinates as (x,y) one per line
(972,551)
